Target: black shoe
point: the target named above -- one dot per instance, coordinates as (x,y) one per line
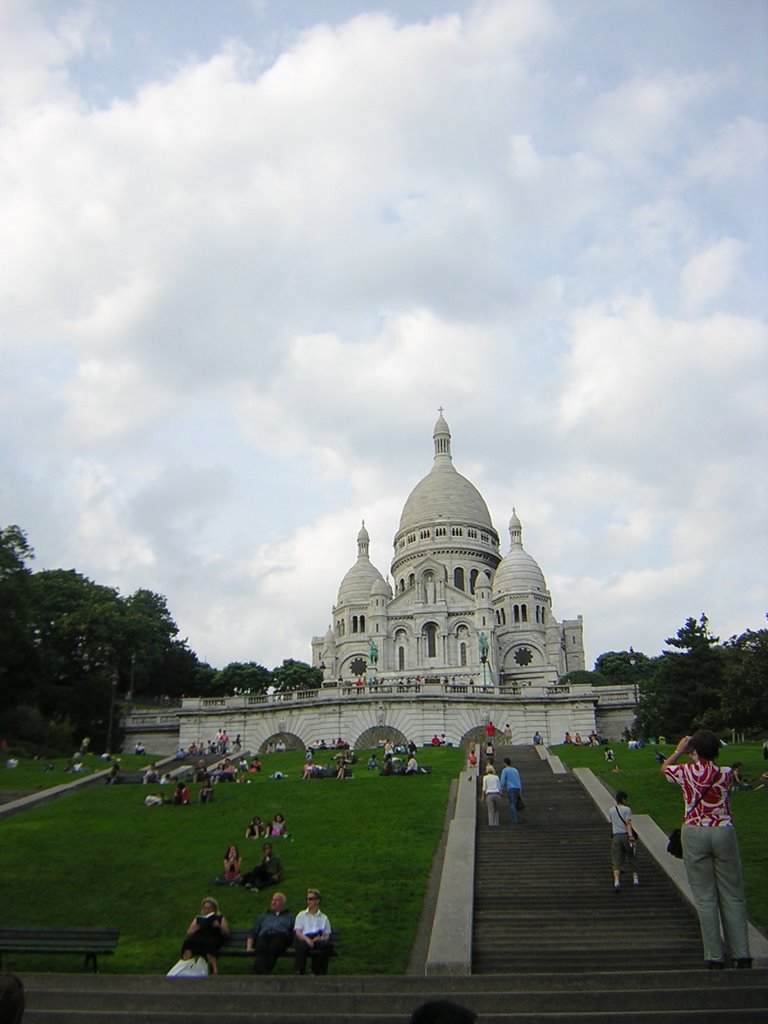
(715,965)
(744,962)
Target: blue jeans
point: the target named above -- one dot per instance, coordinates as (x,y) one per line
(512,795)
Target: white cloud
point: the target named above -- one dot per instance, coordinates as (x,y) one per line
(239,288)
(708,275)
(644,118)
(739,150)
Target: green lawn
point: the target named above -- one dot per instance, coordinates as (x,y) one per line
(650,793)
(100,857)
(31,776)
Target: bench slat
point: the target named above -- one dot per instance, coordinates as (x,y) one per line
(87,942)
(235,945)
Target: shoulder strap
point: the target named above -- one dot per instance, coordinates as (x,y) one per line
(702,794)
(624,820)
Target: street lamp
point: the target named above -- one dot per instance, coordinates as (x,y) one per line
(632,663)
(111,713)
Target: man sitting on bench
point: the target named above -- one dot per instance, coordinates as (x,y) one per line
(271,935)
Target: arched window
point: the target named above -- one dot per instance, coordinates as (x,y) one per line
(463,655)
(430,631)
(362,623)
(354,623)
(524,612)
(402,586)
(516,611)
(458,578)
(401,658)
(411,580)
(473,580)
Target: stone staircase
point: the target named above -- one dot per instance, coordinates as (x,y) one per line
(642,997)
(544,898)
(553,944)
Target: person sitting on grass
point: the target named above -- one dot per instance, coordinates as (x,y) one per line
(256,828)
(232,865)
(180,795)
(278,827)
(206,934)
(412,767)
(739,781)
(267,872)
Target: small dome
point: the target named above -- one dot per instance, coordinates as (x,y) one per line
(381,589)
(357,584)
(518,571)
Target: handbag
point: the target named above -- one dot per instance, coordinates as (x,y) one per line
(192,968)
(675,843)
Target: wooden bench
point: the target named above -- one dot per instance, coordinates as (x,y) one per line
(235,945)
(88,942)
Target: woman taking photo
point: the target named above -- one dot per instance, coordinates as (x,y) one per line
(710,850)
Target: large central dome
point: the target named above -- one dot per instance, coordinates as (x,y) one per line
(444,494)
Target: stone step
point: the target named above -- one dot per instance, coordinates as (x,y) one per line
(202,998)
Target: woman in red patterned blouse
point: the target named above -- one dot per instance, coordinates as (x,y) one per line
(710,849)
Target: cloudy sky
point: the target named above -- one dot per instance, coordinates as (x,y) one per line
(249,247)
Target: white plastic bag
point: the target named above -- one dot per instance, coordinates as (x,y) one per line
(189,968)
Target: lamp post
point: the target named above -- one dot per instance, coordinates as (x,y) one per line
(111,713)
(632,663)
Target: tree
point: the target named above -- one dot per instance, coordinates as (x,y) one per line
(296,675)
(745,693)
(579,676)
(18,659)
(148,637)
(243,677)
(684,691)
(78,631)
(622,667)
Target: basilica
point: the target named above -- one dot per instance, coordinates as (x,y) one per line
(458,610)
(460,634)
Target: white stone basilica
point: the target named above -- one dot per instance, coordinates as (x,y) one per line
(463,637)
(460,612)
